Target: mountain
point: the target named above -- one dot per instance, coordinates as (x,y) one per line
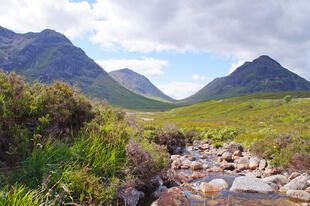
(261,75)
(48,55)
(139,84)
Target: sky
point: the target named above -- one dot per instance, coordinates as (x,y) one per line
(180,45)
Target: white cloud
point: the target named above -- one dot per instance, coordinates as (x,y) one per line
(198,77)
(145,66)
(240,29)
(70,18)
(180,90)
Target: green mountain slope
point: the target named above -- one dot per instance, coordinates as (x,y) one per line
(261,75)
(49,56)
(138,84)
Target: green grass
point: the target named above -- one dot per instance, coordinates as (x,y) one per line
(261,122)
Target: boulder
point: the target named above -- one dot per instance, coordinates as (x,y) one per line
(254,163)
(207,188)
(237,153)
(220,184)
(174,157)
(276,179)
(186,164)
(196,165)
(132,196)
(227,166)
(203,147)
(227,156)
(262,164)
(293,175)
(182,178)
(159,191)
(192,158)
(299,195)
(204,156)
(176,164)
(173,197)
(299,183)
(233,146)
(197,175)
(242,163)
(250,184)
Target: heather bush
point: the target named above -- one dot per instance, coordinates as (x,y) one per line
(26,112)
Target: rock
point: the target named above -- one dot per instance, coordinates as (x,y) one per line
(173,197)
(197,175)
(227,156)
(262,164)
(254,163)
(196,166)
(192,158)
(203,147)
(132,196)
(204,156)
(249,184)
(294,175)
(176,164)
(237,153)
(215,170)
(298,183)
(205,166)
(196,142)
(220,184)
(272,170)
(182,178)
(174,157)
(155,203)
(220,152)
(186,164)
(233,146)
(277,179)
(227,166)
(299,195)
(242,163)
(207,188)
(159,191)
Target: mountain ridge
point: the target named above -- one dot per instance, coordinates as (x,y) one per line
(48,55)
(139,84)
(263,74)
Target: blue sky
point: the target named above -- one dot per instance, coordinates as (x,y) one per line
(180,45)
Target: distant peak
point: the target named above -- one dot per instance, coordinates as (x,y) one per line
(265,58)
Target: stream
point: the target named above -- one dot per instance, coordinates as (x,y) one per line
(204,175)
(224,197)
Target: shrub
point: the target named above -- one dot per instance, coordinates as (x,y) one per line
(287,98)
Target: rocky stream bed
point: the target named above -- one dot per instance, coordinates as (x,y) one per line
(204,175)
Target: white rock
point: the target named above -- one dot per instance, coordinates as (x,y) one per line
(220,184)
(298,183)
(277,179)
(250,184)
(300,195)
(254,162)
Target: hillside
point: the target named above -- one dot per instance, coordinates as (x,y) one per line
(49,56)
(261,75)
(251,111)
(138,84)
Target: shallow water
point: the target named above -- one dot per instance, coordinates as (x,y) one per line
(226,197)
